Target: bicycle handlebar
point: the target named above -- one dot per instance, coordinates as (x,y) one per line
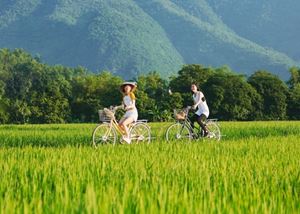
(115,108)
(187,109)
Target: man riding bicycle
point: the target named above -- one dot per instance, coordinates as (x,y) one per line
(201,107)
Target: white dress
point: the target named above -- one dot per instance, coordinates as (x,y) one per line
(132,112)
(202,107)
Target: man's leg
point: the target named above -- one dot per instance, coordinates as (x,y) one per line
(193,119)
(201,120)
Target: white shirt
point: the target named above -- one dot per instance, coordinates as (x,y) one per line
(127,101)
(202,106)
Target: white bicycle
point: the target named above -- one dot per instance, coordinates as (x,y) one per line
(108,131)
(182,131)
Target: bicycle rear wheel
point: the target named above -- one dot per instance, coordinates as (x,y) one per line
(104,134)
(178,132)
(214,132)
(140,133)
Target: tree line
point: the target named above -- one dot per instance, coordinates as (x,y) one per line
(34,92)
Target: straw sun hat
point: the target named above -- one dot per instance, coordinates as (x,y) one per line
(132,84)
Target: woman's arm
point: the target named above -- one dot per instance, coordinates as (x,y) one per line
(131,106)
(119,107)
(198,101)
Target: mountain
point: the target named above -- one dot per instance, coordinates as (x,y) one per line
(130,37)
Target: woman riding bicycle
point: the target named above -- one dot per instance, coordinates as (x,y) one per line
(131,115)
(203,111)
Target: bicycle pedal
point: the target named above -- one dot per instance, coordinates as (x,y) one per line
(141,137)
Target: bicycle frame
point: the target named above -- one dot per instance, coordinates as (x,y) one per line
(113,124)
(184,123)
(187,122)
(109,130)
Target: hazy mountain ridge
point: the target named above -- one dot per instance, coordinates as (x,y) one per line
(269,23)
(133,36)
(220,31)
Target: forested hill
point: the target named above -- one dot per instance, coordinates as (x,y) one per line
(130,37)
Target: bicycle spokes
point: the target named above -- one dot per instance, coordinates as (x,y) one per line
(104,134)
(140,133)
(178,132)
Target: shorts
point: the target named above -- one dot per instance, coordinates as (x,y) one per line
(133,114)
(200,112)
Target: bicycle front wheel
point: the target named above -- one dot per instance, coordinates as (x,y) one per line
(140,133)
(214,132)
(178,132)
(104,134)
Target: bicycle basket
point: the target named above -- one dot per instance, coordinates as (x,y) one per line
(106,115)
(180,114)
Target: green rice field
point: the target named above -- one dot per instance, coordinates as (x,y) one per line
(255,168)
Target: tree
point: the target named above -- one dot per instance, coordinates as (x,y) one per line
(294,94)
(189,74)
(230,97)
(295,77)
(93,92)
(273,92)
(151,95)
(33,92)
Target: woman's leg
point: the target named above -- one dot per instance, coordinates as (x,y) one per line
(121,122)
(125,123)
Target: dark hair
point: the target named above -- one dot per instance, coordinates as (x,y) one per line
(194,84)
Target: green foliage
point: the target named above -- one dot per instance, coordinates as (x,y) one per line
(153,101)
(93,92)
(274,93)
(32,92)
(17,10)
(295,77)
(189,74)
(200,33)
(129,40)
(294,94)
(230,97)
(294,103)
(113,35)
(133,37)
